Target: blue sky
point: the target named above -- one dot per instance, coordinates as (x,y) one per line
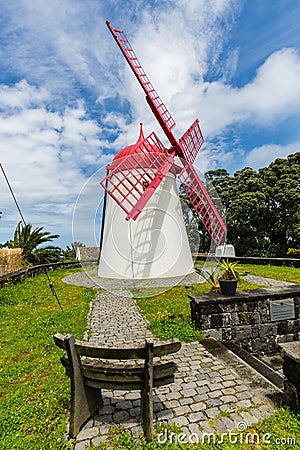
(69,103)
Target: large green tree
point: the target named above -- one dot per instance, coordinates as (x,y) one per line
(30,241)
(262,207)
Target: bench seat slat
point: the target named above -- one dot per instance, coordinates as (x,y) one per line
(120,374)
(126,386)
(130,352)
(103,371)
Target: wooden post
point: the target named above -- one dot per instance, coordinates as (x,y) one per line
(147,393)
(85,401)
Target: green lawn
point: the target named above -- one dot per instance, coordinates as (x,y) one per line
(34,391)
(284,273)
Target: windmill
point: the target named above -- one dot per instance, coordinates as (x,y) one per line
(134,181)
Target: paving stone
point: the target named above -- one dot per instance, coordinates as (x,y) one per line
(194,428)
(158,407)
(181,410)
(200,397)
(220,426)
(202,389)
(228,377)
(237,418)
(230,391)
(244,404)
(243,395)
(229,423)
(212,412)
(229,383)
(241,387)
(196,416)
(198,406)
(173,396)
(190,385)
(132,396)
(105,418)
(228,407)
(228,399)
(96,441)
(180,420)
(215,386)
(188,392)
(186,400)
(213,402)
(121,415)
(206,427)
(214,394)
(164,414)
(87,433)
(249,419)
(104,428)
(82,445)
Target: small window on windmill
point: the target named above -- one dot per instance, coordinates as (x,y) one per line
(282,309)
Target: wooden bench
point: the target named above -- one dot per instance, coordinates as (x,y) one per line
(93,372)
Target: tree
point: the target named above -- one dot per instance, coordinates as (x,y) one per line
(29,240)
(70,252)
(262,208)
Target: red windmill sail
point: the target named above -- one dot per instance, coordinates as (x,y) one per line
(132,183)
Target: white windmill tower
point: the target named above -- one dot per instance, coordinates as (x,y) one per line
(144,234)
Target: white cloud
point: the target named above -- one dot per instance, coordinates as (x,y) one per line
(264,155)
(44,155)
(273,94)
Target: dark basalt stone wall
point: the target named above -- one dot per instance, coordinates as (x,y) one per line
(245,318)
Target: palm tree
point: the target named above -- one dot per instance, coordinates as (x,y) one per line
(29,240)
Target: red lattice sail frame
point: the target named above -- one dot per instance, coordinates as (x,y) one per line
(155,102)
(202,202)
(132,180)
(191,142)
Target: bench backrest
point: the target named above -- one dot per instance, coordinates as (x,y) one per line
(138,351)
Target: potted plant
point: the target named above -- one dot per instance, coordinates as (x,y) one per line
(229,276)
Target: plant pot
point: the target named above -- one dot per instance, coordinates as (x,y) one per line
(228,287)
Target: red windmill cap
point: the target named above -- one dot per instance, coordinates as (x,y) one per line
(135,148)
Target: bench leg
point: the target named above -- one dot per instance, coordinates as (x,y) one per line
(147,413)
(85,400)
(147,393)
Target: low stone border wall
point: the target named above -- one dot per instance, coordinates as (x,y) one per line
(295,262)
(30,272)
(248,317)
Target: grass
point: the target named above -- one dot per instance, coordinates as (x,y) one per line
(284,273)
(34,391)
(169,313)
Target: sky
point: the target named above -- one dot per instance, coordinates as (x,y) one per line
(69,102)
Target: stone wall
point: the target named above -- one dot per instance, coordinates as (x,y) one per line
(33,271)
(248,317)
